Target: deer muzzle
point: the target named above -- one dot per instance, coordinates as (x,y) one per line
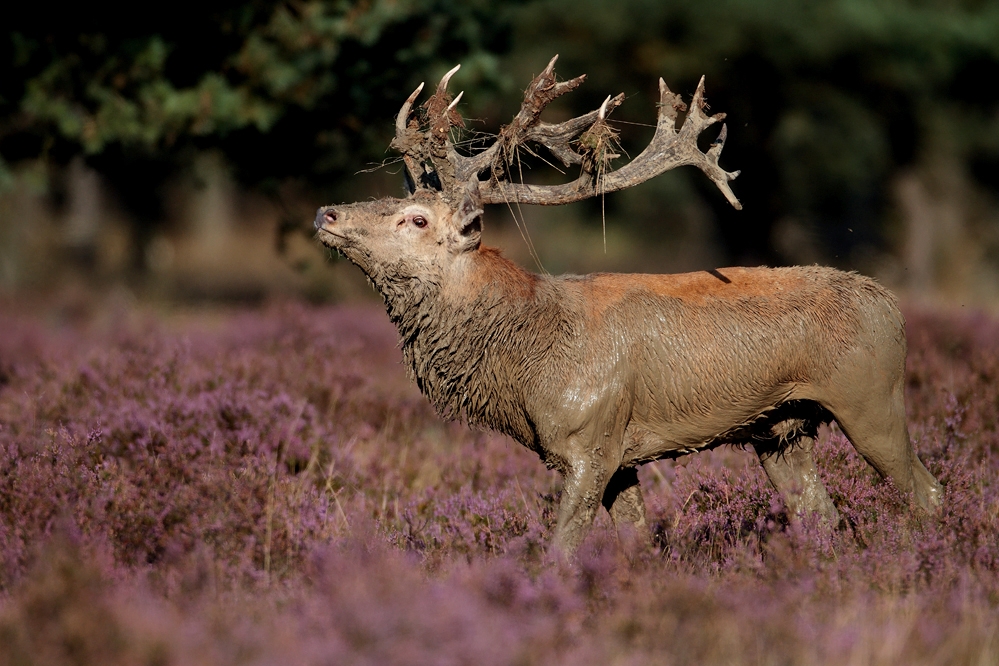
(325,215)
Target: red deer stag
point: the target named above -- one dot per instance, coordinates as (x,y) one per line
(601,373)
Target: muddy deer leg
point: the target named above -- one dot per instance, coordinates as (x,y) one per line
(582,490)
(623,499)
(878,430)
(793,473)
(581,493)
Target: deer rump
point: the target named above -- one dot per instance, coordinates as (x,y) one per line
(601,373)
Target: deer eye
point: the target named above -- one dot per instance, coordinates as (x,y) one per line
(420,221)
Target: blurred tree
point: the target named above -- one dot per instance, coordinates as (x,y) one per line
(826,100)
(284,89)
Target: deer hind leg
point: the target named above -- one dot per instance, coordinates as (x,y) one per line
(791,470)
(878,431)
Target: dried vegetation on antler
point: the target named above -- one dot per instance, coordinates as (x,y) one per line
(588,141)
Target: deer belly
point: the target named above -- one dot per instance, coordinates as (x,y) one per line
(657,435)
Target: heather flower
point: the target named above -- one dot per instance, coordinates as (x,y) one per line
(266,486)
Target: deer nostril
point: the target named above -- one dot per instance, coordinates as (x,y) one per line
(324,217)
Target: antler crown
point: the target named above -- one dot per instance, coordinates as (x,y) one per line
(587,140)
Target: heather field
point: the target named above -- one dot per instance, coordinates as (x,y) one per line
(266,486)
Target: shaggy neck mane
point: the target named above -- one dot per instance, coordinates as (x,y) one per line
(468,345)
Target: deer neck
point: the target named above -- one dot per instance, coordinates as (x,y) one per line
(467,338)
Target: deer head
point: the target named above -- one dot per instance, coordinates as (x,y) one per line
(407,238)
(441,217)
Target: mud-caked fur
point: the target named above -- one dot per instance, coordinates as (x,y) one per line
(600,373)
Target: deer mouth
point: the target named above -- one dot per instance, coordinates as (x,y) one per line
(330,238)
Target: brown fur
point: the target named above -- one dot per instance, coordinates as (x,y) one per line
(600,373)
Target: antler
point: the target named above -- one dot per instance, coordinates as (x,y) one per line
(587,140)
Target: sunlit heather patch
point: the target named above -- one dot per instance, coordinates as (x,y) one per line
(269,488)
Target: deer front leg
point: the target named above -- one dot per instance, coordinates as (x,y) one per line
(592,452)
(623,499)
(582,490)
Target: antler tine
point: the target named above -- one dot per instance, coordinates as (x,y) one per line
(695,122)
(442,115)
(447,77)
(408,139)
(542,91)
(697,117)
(602,111)
(439,104)
(403,117)
(440,110)
(719,176)
(550,69)
(669,104)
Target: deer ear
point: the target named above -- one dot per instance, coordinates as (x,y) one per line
(467,219)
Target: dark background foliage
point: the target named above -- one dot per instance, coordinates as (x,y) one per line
(285,90)
(828,102)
